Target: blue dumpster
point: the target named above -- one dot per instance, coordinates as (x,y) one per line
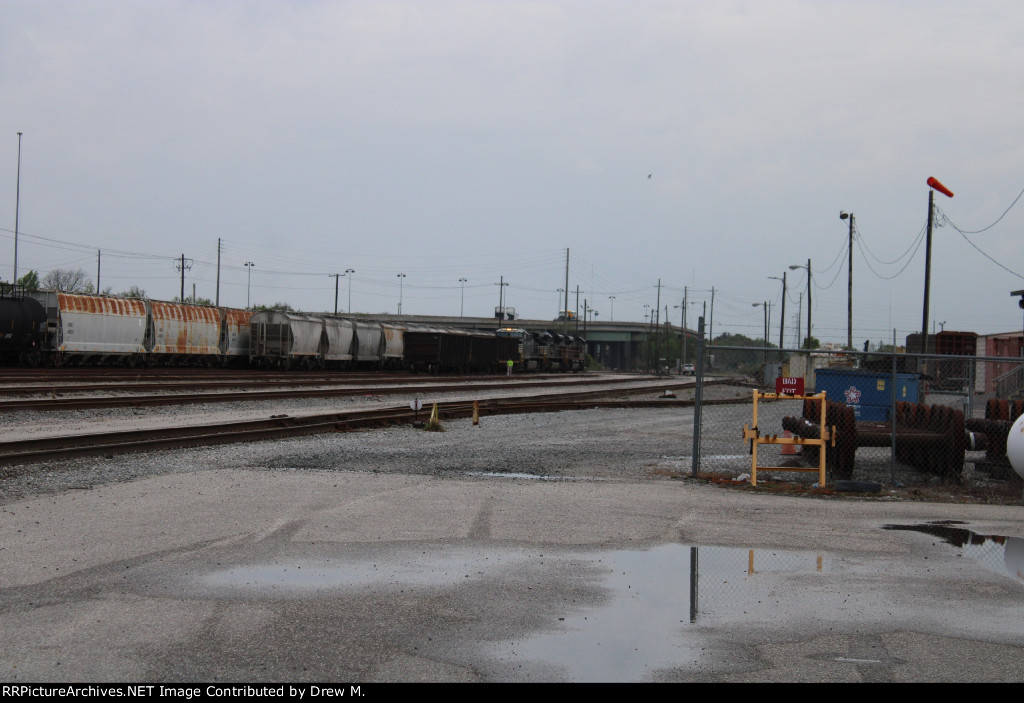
(869,393)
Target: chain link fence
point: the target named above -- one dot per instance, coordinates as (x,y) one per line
(896,418)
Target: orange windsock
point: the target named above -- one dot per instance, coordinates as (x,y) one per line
(934,183)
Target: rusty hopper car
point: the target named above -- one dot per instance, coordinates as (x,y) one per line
(95,329)
(234,335)
(184,333)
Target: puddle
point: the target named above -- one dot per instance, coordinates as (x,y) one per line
(654,596)
(652,611)
(1004,555)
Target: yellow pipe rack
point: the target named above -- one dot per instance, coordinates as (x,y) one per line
(754,436)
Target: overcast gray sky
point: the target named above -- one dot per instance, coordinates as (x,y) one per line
(708,144)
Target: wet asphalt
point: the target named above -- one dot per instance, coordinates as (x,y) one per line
(314,575)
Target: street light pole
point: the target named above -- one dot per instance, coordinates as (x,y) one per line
(462,305)
(401,283)
(349,277)
(248,281)
(17,208)
(849,284)
(612,299)
(808,268)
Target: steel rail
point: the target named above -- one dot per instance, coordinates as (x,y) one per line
(135,401)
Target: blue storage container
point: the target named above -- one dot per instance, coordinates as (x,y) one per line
(869,393)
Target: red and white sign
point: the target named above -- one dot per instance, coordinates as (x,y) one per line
(789,386)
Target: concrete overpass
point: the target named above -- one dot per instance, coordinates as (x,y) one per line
(615,344)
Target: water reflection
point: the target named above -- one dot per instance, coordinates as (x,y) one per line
(654,595)
(1001,554)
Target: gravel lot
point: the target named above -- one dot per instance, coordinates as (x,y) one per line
(602,445)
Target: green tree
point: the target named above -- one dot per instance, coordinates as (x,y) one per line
(133,292)
(283,307)
(192,301)
(30,281)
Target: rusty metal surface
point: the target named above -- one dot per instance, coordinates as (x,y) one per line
(185,329)
(90,324)
(394,341)
(235,332)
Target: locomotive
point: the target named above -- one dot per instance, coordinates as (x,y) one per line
(56,328)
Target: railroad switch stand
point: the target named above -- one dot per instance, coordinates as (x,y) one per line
(754,436)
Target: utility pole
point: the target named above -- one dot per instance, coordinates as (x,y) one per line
(782,318)
(934,185)
(337,278)
(501,296)
(217,296)
(927,273)
(711,318)
(183,266)
(686,303)
(565,305)
(657,330)
(98,259)
(577,332)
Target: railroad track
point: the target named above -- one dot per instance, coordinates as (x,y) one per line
(199,378)
(278,427)
(57,402)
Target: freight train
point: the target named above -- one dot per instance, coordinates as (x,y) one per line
(55,328)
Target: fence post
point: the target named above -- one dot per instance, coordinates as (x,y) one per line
(892,424)
(698,393)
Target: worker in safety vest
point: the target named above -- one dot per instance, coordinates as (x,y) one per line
(508,365)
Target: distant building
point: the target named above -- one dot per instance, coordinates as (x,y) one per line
(990,373)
